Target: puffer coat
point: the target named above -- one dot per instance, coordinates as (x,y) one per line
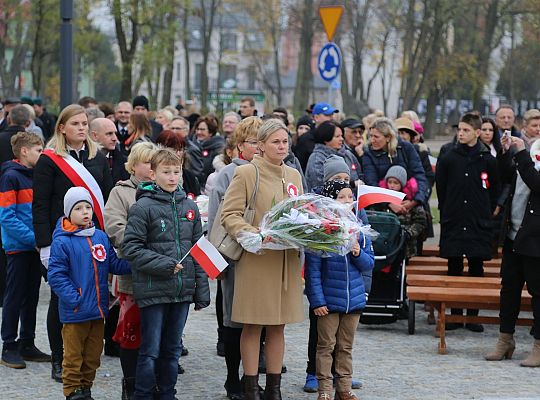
(336,282)
(162,227)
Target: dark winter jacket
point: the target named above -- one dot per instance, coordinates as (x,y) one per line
(50,187)
(6,154)
(210,148)
(118,169)
(162,227)
(467,201)
(336,282)
(48,122)
(292,161)
(78,272)
(304,147)
(16,207)
(157,128)
(190,183)
(377,162)
(528,234)
(315,170)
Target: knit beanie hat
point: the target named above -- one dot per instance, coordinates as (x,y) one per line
(141,101)
(397,172)
(334,165)
(76,195)
(305,120)
(332,188)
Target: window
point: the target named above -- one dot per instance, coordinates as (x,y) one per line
(198,76)
(228,41)
(227,77)
(251,77)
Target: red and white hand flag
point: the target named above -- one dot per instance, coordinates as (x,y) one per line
(433,162)
(208,257)
(368,195)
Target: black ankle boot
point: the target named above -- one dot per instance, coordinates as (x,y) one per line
(251,387)
(272,390)
(128,388)
(56,364)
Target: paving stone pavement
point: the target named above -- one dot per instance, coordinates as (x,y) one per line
(390,363)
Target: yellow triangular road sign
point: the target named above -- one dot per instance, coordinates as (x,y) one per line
(330,17)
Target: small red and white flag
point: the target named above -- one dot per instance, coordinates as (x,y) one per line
(433,162)
(208,257)
(368,195)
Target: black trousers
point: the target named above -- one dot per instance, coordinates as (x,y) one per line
(54,326)
(312,344)
(516,270)
(3,266)
(219,311)
(231,340)
(455,268)
(21,296)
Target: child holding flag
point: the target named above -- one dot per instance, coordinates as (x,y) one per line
(162,227)
(336,293)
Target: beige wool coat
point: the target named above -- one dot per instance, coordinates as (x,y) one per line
(120,200)
(268,287)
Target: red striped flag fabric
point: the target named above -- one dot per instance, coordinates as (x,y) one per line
(368,195)
(208,257)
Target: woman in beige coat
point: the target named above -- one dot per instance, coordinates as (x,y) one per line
(120,200)
(268,287)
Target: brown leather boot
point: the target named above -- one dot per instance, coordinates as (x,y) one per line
(251,387)
(534,358)
(503,349)
(345,396)
(272,391)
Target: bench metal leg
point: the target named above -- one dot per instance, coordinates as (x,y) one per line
(442,327)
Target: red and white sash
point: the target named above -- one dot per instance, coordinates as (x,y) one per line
(79,176)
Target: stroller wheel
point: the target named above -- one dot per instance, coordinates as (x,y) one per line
(411,324)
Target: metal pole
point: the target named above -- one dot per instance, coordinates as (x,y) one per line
(66,53)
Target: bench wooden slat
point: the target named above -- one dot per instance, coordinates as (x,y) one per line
(442,261)
(454,281)
(443,270)
(464,295)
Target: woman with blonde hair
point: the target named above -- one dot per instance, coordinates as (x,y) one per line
(71,159)
(385,149)
(122,197)
(268,287)
(164,117)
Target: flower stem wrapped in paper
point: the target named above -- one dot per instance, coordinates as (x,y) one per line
(309,222)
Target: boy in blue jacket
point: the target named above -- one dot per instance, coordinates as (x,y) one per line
(23,263)
(336,294)
(81,259)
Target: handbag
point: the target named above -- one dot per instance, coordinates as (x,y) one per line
(219,237)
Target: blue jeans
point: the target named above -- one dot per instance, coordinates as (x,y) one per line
(161,334)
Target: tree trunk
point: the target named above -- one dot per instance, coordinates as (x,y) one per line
(304,74)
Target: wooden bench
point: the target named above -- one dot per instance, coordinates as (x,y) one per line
(445,292)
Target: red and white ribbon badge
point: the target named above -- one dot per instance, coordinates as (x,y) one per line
(205,153)
(485,182)
(99,253)
(190,215)
(292,190)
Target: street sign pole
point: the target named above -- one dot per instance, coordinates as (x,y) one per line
(329,60)
(66,53)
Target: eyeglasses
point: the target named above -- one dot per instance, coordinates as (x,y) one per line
(251,142)
(175,128)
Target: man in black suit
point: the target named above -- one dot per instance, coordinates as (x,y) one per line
(8,106)
(141,105)
(122,112)
(103,132)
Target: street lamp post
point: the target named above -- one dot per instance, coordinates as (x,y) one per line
(66,53)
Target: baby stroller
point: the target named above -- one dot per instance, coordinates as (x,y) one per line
(387,299)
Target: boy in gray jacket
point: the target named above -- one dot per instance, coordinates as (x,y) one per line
(162,227)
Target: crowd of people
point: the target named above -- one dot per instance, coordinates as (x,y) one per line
(105,191)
